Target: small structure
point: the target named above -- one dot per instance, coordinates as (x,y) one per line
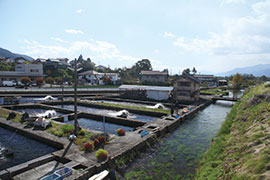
(209,80)
(154,76)
(222,82)
(94,77)
(186,88)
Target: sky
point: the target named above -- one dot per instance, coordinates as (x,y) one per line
(212,36)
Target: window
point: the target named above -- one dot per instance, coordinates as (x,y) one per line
(185,84)
(34,70)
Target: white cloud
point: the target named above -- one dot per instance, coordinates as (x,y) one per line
(79,11)
(168,35)
(99,51)
(73,31)
(233,1)
(58,39)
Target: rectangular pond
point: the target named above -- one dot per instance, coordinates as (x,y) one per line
(24,149)
(108,112)
(40,112)
(98,125)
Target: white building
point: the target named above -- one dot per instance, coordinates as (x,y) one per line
(94,77)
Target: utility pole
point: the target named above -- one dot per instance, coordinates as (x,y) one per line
(75,99)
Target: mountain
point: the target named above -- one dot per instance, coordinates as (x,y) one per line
(257,70)
(7,54)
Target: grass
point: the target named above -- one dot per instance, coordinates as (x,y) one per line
(215,91)
(166,111)
(243,132)
(5,112)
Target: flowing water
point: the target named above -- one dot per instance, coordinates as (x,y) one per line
(108,112)
(176,155)
(40,111)
(24,149)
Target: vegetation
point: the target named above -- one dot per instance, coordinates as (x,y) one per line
(241,148)
(214,91)
(89,146)
(4,114)
(120,132)
(237,80)
(25,81)
(101,154)
(49,80)
(7,66)
(39,81)
(166,111)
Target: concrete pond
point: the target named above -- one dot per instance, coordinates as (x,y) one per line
(84,165)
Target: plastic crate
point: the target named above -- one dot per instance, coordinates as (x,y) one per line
(63,172)
(51,177)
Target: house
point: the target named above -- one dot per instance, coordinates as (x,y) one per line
(222,82)
(209,80)
(186,88)
(101,67)
(94,77)
(22,70)
(154,76)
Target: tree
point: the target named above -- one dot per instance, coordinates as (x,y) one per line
(39,81)
(49,80)
(59,80)
(237,81)
(194,70)
(144,64)
(25,81)
(186,71)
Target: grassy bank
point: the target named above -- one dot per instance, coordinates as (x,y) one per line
(215,91)
(241,149)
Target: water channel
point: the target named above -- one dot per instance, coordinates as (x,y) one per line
(40,112)
(176,155)
(108,112)
(24,149)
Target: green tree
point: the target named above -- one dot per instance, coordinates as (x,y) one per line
(194,70)
(237,81)
(144,64)
(49,80)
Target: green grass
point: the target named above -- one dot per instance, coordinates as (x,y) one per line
(5,112)
(166,111)
(231,154)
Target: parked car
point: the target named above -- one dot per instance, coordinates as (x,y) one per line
(9,83)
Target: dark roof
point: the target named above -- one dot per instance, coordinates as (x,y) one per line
(154,73)
(189,76)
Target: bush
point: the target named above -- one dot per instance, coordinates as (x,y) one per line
(101,139)
(101,154)
(121,132)
(82,132)
(89,146)
(67,129)
(96,142)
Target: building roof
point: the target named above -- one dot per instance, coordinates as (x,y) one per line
(154,73)
(189,76)
(92,72)
(203,76)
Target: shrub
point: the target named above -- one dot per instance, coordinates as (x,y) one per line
(67,128)
(101,154)
(121,132)
(88,146)
(96,142)
(101,139)
(82,132)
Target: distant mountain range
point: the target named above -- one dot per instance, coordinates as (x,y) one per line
(7,54)
(257,70)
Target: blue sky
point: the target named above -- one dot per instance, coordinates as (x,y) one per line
(213,36)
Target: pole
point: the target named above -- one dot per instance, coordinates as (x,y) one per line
(104,125)
(75,99)
(62,94)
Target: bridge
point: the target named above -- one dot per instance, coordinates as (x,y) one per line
(225,99)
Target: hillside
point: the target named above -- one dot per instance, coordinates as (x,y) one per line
(258,70)
(241,149)
(7,54)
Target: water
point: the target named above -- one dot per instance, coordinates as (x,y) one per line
(176,156)
(38,111)
(108,112)
(33,99)
(24,149)
(98,125)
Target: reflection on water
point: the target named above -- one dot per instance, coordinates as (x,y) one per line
(98,125)
(176,156)
(108,112)
(24,149)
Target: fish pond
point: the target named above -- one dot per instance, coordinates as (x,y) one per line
(24,149)
(176,156)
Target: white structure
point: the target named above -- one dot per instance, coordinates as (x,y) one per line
(152,92)
(94,77)
(22,70)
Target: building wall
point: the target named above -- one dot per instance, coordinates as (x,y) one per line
(154,78)
(29,68)
(186,90)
